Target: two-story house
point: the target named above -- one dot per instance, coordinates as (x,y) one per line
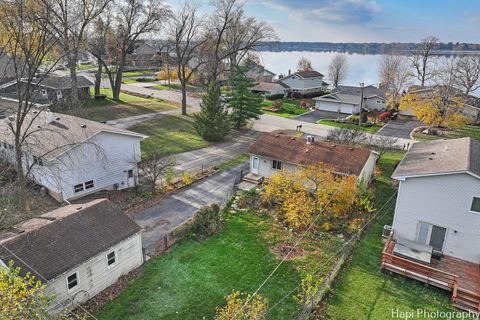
(76,251)
(304,82)
(436,227)
(72,157)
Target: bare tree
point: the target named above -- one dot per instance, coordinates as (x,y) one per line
(97,45)
(467,74)
(304,64)
(187,34)
(338,69)
(130,21)
(28,42)
(421,57)
(155,167)
(394,73)
(382,144)
(347,136)
(68,22)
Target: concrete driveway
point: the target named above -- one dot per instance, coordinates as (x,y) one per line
(171,212)
(314,116)
(399,128)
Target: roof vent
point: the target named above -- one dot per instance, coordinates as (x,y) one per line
(430,158)
(79,208)
(83,126)
(446,148)
(332,145)
(306,150)
(432,153)
(292,138)
(35,111)
(57,119)
(350,148)
(277,135)
(310,139)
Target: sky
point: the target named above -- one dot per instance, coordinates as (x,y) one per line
(367,20)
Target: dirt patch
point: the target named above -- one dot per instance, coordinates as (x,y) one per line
(281,250)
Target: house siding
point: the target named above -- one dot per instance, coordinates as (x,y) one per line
(94,275)
(443,201)
(366,174)
(372,104)
(336,106)
(303,84)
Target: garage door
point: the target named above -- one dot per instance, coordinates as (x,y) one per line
(346,108)
(327,106)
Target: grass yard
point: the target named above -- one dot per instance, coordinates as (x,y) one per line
(333,123)
(362,291)
(233,162)
(138,73)
(465,131)
(173,86)
(107,109)
(289,107)
(169,135)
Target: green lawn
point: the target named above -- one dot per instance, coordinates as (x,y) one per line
(86,66)
(289,108)
(173,86)
(233,162)
(333,123)
(169,135)
(107,109)
(465,131)
(362,291)
(138,73)
(190,280)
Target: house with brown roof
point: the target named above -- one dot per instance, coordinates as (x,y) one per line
(269,89)
(303,82)
(72,157)
(273,152)
(436,227)
(76,251)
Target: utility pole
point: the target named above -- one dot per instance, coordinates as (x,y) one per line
(361,105)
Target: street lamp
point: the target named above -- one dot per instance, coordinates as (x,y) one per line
(361,104)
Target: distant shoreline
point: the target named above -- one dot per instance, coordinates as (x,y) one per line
(444,49)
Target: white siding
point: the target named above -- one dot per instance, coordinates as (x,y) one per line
(303,84)
(366,174)
(94,275)
(336,106)
(265,166)
(375,103)
(443,201)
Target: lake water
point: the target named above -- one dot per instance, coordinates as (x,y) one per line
(362,67)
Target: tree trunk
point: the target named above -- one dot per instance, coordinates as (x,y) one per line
(22,181)
(72,65)
(184,97)
(118,81)
(98,78)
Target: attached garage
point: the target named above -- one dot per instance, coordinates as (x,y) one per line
(336,106)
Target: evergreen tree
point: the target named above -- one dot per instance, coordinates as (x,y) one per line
(212,122)
(245,104)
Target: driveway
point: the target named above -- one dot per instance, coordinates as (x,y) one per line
(399,128)
(171,212)
(314,116)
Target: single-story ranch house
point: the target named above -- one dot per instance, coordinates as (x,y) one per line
(72,157)
(50,90)
(346,99)
(76,251)
(436,227)
(303,82)
(269,89)
(273,152)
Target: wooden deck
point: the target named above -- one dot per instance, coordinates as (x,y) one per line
(460,277)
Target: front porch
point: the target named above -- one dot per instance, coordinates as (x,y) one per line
(460,277)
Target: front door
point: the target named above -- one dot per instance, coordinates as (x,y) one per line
(255,162)
(437,238)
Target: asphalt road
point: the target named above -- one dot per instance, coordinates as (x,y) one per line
(159,220)
(399,128)
(314,116)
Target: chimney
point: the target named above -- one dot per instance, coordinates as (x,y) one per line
(49,117)
(310,140)
(289,72)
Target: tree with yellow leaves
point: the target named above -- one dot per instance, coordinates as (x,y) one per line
(441,109)
(237,308)
(309,190)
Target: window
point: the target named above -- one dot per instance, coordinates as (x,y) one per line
(89,185)
(130,173)
(44,92)
(475,205)
(78,188)
(59,94)
(277,164)
(111,258)
(37,161)
(72,281)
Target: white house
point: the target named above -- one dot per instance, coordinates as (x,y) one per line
(273,152)
(438,202)
(76,251)
(304,82)
(72,157)
(346,99)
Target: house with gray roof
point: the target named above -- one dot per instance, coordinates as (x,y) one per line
(48,90)
(438,202)
(72,157)
(347,99)
(76,251)
(303,82)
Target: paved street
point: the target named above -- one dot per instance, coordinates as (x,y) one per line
(399,128)
(174,210)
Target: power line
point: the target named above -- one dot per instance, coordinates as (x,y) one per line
(376,215)
(289,252)
(47,281)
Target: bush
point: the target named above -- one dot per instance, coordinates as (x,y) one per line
(275,96)
(186,178)
(205,222)
(353,118)
(384,116)
(238,308)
